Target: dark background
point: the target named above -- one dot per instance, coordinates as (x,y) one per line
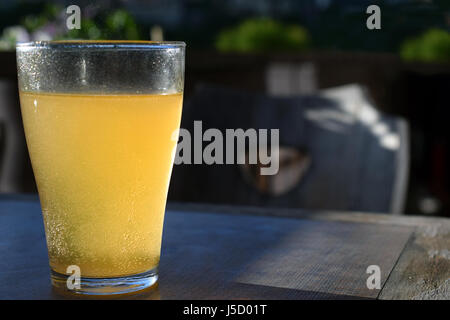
(405,65)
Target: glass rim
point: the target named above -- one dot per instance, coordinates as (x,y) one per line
(101,45)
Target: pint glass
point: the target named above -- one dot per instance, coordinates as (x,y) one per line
(101,121)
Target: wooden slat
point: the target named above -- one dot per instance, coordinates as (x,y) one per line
(314,256)
(423,269)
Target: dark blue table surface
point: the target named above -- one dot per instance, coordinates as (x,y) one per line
(213,255)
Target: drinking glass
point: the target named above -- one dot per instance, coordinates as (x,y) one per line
(101,121)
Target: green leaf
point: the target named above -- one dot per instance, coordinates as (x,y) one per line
(263,34)
(431,46)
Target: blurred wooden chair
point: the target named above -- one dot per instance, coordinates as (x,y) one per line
(340,153)
(15,171)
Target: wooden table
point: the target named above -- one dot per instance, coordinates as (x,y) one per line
(218,252)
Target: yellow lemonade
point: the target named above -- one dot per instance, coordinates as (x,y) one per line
(102,165)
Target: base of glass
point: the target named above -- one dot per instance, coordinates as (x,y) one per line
(105,286)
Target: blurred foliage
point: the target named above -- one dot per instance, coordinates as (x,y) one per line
(34,22)
(11,35)
(115,25)
(263,34)
(49,23)
(431,46)
(120,24)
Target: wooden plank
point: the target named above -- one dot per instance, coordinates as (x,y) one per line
(423,269)
(225,256)
(24,271)
(314,256)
